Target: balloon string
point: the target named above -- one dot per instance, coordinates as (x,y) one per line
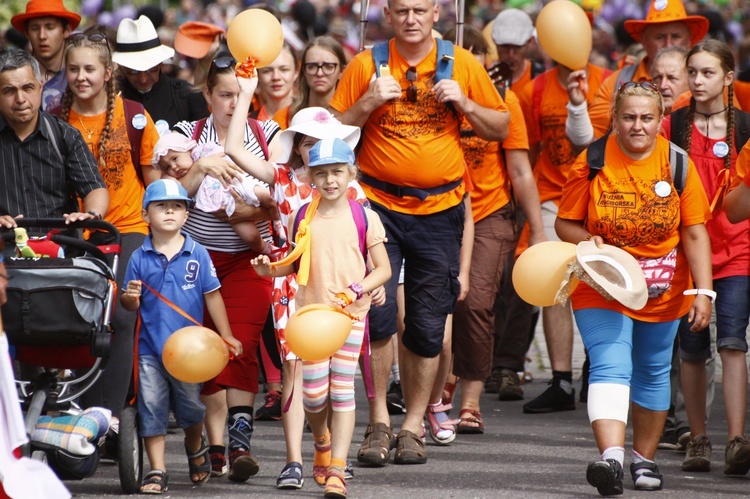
(246,69)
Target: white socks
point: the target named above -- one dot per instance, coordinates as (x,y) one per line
(616,453)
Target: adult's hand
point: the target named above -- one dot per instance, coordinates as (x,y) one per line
(219,167)
(700,313)
(383,89)
(77,216)
(243,212)
(447,91)
(9,222)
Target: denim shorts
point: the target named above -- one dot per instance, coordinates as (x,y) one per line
(158,391)
(732,309)
(429,246)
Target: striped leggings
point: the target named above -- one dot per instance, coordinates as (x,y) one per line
(334,375)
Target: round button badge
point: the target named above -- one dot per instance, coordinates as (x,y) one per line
(662,189)
(721,149)
(139,121)
(162,127)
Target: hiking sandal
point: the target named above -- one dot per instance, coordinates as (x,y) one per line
(376,446)
(335,483)
(155,477)
(470,422)
(204,467)
(322,460)
(409,449)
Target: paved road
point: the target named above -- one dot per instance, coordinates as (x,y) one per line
(519,456)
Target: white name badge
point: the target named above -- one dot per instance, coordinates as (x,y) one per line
(662,189)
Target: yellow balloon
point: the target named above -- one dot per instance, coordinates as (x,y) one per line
(316,332)
(255,34)
(564,32)
(540,270)
(194,354)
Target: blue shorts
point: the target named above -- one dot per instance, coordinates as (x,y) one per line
(429,246)
(158,391)
(732,310)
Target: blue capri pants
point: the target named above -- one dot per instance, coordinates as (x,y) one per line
(629,352)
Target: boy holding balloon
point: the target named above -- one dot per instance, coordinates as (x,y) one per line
(170,263)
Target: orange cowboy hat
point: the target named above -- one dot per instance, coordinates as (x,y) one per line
(45,8)
(669,11)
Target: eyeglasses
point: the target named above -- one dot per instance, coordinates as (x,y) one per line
(646,85)
(224,62)
(411,77)
(328,68)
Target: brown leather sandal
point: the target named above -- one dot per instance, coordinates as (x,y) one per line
(409,449)
(377,445)
(470,422)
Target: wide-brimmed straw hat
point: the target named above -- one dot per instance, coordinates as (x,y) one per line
(45,8)
(138,46)
(669,11)
(194,38)
(319,123)
(611,271)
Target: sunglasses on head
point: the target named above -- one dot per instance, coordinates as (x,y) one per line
(411,77)
(646,85)
(93,37)
(224,62)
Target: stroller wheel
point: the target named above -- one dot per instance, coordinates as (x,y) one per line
(129,452)
(39,455)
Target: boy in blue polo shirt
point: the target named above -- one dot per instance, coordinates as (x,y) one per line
(178,268)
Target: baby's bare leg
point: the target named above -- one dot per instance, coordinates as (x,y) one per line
(249,233)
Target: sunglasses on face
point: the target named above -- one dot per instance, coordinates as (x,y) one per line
(224,62)
(646,85)
(312,68)
(411,77)
(153,71)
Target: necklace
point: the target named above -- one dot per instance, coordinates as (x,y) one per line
(707,117)
(88,132)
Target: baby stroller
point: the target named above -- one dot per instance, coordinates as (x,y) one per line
(61,295)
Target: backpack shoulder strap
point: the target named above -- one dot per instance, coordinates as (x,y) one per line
(537,68)
(360,220)
(56,135)
(259,136)
(626,74)
(445,57)
(678,163)
(380,55)
(501,90)
(135,135)
(741,129)
(677,134)
(595,155)
(199,125)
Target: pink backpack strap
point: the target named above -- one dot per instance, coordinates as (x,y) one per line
(199,125)
(259,136)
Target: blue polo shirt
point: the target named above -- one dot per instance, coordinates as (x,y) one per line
(183,280)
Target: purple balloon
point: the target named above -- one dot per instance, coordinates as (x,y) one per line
(125,12)
(90,8)
(107,19)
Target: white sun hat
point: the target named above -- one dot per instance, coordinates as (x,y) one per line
(138,46)
(319,123)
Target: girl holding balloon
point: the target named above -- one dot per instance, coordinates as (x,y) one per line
(331,164)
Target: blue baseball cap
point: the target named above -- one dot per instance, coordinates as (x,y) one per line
(331,152)
(165,190)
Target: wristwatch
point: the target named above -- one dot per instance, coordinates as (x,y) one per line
(95,214)
(358,289)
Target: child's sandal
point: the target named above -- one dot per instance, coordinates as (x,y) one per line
(204,468)
(322,459)
(335,483)
(155,477)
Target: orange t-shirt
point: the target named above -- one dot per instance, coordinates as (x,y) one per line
(414,144)
(599,110)
(486,163)
(620,205)
(547,125)
(525,78)
(124,188)
(282,118)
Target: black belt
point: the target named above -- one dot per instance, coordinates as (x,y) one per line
(401,190)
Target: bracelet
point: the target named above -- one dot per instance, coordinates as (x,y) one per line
(700,291)
(95,214)
(588,238)
(358,289)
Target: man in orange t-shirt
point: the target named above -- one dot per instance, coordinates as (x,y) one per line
(412,169)
(512,34)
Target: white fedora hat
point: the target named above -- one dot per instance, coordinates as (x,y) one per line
(319,123)
(611,271)
(138,46)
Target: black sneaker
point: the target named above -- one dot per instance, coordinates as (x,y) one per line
(606,476)
(394,399)
(668,439)
(493,382)
(271,410)
(646,476)
(553,399)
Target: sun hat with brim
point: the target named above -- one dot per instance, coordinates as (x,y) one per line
(331,152)
(45,8)
(138,46)
(611,271)
(172,141)
(319,123)
(669,11)
(165,189)
(194,38)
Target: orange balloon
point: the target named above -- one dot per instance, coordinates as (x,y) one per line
(564,32)
(194,354)
(255,34)
(316,332)
(540,270)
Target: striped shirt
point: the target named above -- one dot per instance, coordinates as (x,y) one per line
(35,180)
(206,228)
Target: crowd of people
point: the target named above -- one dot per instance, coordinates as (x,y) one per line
(429,167)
